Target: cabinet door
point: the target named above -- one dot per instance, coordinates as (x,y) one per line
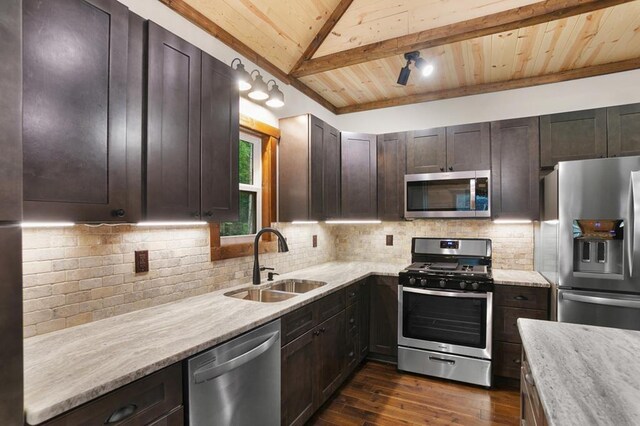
(469,147)
(74,116)
(359,188)
(331,173)
(298,379)
(173,127)
(331,360)
(219,141)
(383,338)
(623,130)
(391,166)
(294,181)
(515,167)
(11,112)
(363,318)
(427,151)
(573,136)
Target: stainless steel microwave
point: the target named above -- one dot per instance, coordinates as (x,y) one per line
(455,194)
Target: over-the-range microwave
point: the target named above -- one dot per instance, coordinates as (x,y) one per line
(455,194)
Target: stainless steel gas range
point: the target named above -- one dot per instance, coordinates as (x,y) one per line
(445,310)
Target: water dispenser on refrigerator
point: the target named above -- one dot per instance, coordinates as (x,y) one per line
(598,248)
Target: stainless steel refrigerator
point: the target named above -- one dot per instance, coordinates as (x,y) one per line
(591,214)
(11,365)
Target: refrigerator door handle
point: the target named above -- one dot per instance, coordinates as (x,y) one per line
(634,213)
(599,300)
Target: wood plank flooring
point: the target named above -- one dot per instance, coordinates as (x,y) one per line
(377,394)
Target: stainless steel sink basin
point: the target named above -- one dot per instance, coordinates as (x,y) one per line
(296,286)
(264,295)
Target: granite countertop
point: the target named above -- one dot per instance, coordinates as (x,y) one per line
(585,375)
(520,278)
(67,368)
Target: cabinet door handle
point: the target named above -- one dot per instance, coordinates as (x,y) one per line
(442,169)
(322,330)
(517,361)
(118,213)
(351,354)
(521,298)
(352,321)
(316,333)
(194,214)
(121,413)
(208,213)
(352,294)
(450,168)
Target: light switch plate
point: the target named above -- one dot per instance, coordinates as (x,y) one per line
(142,261)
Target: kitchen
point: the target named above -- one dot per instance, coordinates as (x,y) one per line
(130,213)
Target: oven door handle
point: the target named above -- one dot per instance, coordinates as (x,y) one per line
(458,294)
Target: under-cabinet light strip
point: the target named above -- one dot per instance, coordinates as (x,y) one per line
(511,221)
(352,222)
(170,223)
(46,224)
(304,222)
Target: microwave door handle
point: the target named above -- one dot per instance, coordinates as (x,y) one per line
(472,195)
(634,213)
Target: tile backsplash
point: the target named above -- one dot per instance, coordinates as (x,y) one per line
(85,273)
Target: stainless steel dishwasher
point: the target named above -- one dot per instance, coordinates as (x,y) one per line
(238,382)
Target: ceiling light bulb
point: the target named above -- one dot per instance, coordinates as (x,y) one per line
(276,97)
(427,70)
(243,85)
(244,78)
(259,90)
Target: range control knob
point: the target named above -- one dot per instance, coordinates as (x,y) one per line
(412,281)
(442,283)
(423,282)
(475,286)
(463,284)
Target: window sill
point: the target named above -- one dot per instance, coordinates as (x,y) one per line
(233,249)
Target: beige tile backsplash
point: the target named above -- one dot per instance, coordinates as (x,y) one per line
(86,273)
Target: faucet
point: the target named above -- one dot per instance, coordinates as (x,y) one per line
(282,248)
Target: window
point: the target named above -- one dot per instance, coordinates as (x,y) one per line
(250,174)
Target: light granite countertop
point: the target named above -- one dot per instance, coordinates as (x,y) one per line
(67,368)
(585,375)
(520,278)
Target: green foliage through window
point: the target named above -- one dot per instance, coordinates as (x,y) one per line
(246,162)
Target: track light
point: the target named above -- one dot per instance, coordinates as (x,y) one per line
(276,97)
(425,68)
(258,88)
(244,78)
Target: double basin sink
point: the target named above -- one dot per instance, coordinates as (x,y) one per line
(276,292)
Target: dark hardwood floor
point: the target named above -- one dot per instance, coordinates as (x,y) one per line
(377,394)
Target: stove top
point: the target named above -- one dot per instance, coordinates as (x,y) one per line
(449,268)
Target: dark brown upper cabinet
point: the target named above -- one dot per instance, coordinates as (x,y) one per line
(309,169)
(623,124)
(75,124)
(427,151)
(391,168)
(219,141)
(574,135)
(515,165)
(468,147)
(173,127)
(359,174)
(451,149)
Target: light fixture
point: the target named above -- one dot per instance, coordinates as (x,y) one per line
(258,88)
(46,224)
(425,68)
(511,221)
(244,78)
(276,97)
(170,223)
(352,222)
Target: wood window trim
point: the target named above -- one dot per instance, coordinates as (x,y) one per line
(269,136)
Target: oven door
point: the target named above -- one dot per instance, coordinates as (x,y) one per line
(455,322)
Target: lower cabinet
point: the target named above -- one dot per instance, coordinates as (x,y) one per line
(511,303)
(383,332)
(531,409)
(155,399)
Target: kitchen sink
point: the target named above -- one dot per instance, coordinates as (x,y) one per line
(264,295)
(297,286)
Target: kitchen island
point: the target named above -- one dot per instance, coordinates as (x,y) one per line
(583,375)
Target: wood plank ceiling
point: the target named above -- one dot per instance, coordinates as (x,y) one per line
(347,54)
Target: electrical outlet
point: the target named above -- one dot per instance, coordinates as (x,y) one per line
(142,261)
(315,241)
(389,240)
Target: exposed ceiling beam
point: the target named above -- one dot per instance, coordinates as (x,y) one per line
(537,13)
(197,18)
(324,32)
(496,87)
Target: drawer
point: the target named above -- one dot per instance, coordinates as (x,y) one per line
(506,358)
(298,322)
(505,321)
(352,293)
(522,297)
(330,305)
(175,418)
(138,403)
(352,319)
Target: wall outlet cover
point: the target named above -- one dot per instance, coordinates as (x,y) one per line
(142,261)
(389,240)
(315,241)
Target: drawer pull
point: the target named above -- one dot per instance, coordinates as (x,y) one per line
(352,321)
(121,413)
(521,297)
(351,354)
(445,361)
(352,294)
(517,361)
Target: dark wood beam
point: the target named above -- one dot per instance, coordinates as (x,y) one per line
(496,87)
(197,18)
(537,13)
(324,32)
